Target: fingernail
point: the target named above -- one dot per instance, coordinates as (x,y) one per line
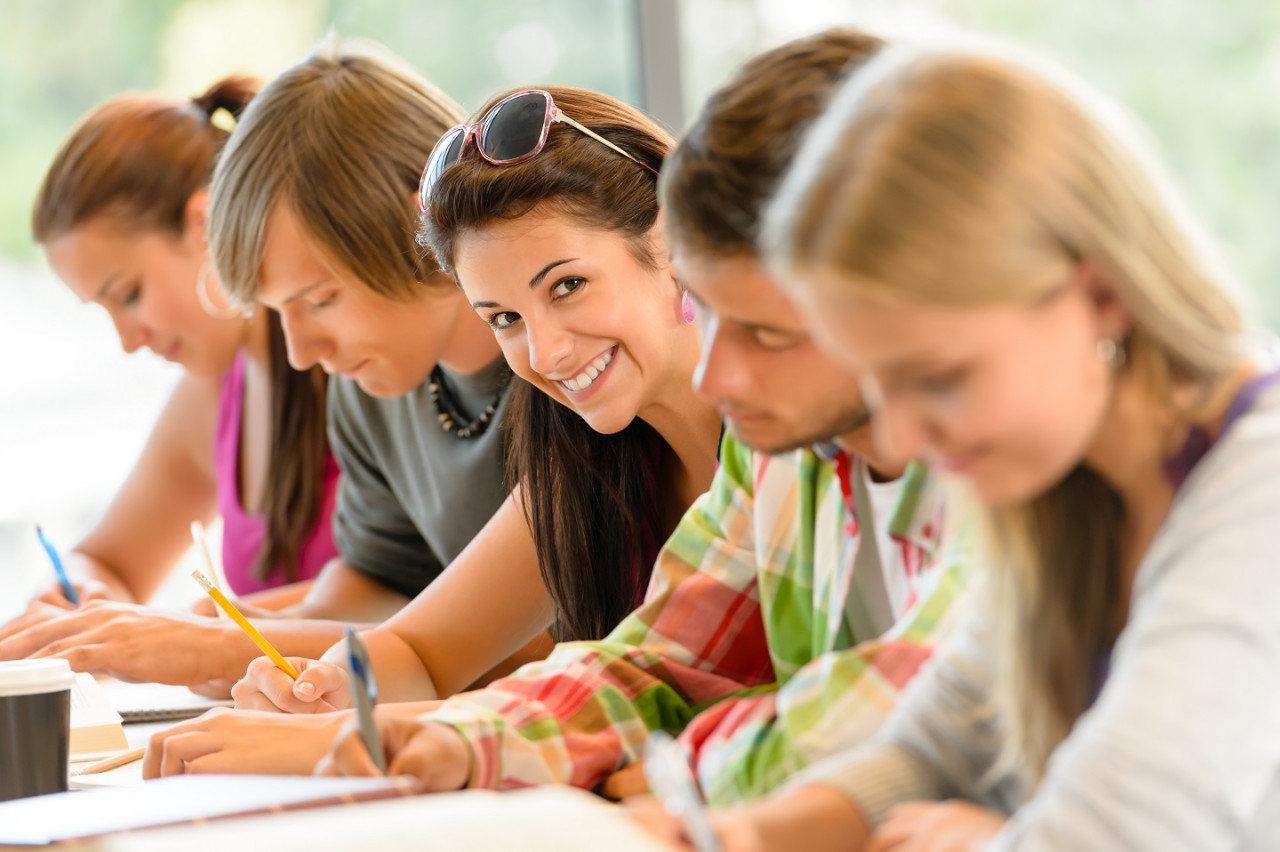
(304,689)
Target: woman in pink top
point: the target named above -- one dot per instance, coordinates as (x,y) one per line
(121,215)
(243,532)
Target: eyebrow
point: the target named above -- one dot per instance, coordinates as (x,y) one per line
(542,273)
(533,282)
(909,367)
(304,291)
(106,285)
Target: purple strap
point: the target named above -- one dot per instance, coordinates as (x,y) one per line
(1179,465)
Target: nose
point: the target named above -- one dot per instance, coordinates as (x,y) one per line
(133,335)
(720,373)
(549,345)
(304,341)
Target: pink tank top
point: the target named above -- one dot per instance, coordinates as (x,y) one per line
(242,533)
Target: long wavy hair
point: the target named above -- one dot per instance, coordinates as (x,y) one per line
(592,501)
(138,159)
(972,178)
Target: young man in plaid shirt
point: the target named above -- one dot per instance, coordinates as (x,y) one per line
(777,627)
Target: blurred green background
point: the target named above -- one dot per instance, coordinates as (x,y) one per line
(1203,76)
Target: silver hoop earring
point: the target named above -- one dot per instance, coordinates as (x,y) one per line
(206,301)
(1112,353)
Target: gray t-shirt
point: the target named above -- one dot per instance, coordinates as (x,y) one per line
(412,495)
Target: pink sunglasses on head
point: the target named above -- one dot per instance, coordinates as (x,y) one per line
(512,132)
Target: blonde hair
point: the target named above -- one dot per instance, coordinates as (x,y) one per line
(341,138)
(971,178)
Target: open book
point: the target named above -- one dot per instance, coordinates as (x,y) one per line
(73,816)
(96,727)
(546,819)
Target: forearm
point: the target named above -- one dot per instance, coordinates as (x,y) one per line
(83,566)
(311,638)
(813,818)
(280,598)
(401,674)
(343,593)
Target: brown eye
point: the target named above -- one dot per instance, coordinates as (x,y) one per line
(502,320)
(565,286)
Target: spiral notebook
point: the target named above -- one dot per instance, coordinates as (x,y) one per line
(156,702)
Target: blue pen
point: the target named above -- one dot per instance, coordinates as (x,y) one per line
(68,590)
(671,783)
(364,695)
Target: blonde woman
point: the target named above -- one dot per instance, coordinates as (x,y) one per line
(1026,303)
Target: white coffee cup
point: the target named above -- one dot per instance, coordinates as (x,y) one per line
(35,727)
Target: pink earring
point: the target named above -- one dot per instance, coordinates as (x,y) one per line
(686,307)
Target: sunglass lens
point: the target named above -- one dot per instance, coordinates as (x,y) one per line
(514,130)
(446,152)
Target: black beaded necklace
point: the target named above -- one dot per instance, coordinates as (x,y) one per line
(451,417)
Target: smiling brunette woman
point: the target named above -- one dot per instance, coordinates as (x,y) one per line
(558,250)
(559,253)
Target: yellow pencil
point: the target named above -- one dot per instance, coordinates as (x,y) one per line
(252,632)
(121,759)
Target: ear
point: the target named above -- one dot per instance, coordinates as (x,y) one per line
(1111,314)
(195,222)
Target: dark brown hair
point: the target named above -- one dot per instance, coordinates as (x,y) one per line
(138,159)
(594,502)
(717,180)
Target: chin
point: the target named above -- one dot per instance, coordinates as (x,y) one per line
(1005,490)
(763,439)
(380,387)
(607,423)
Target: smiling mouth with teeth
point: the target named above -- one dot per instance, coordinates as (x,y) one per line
(583,380)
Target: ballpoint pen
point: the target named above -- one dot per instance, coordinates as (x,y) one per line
(364,695)
(671,783)
(68,590)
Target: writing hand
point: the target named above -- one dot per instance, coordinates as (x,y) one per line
(242,741)
(735,830)
(950,826)
(435,754)
(320,688)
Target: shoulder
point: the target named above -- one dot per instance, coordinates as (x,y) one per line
(1242,470)
(1220,535)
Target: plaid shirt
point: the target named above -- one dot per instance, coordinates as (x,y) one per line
(742,643)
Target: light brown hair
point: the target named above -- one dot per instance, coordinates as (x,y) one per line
(341,138)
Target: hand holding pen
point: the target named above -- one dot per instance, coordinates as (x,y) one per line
(364,695)
(672,786)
